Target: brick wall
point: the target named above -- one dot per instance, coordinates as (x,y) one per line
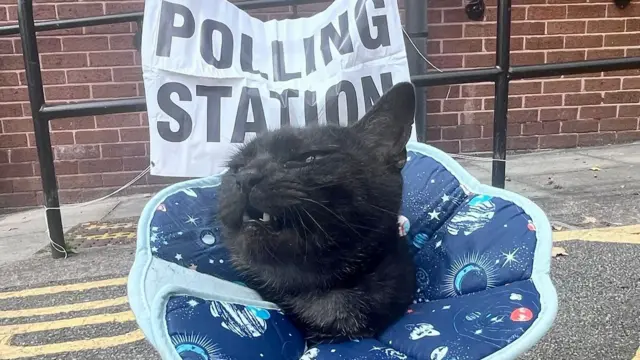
(95,155)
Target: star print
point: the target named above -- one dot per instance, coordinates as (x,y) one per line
(446,307)
(154,249)
(192,220)
(193,303)
(478,332)
(211,261)
(434,215)
(438,244)
(165,243)
(193,267)
(433,181)
(510,257)
(178,256)
(445,198)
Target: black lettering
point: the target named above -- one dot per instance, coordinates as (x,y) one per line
(285,117)
(310,108)
(246,56)
(341,41)
(226,44)
(249,97)
(168,13)
(370,91)
(279,71)
(214,95)
(310,54)
(379,22)
(185,124)
(333,94)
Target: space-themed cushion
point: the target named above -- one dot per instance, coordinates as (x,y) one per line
(482,256)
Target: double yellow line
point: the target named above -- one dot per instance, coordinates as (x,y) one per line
(8,351)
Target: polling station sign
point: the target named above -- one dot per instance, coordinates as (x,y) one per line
(215,76)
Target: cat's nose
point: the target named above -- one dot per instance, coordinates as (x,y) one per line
(248,178)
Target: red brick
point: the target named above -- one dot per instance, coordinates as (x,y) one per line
(111,58)
(628,110)
(631,83)
(446,61)
(527,58)
(99,166)
(522,143)
(541,128)
(113,90)
(480,90)
(121,42)
(593,54)
(620,97)
(517,14)
(27,184)
(579,126)
(527,28)
(118,120)
(517,43)
(434,16)
(77,152)
(40,12)
(12,62)
(597,112)
(433,134)
(45,45)
(633,10)
(49,77)
(461,46)
(583,41)
(118,179)
(461,132)
(443,92)
(523,115)
(80,181)
(632,25)
(86,122)
(601,84)
(15,170)
(514,102)
(134,134)
(19,155)
(596,139)
(96,136)
(129,149)
(433,47)
(566,27)
(89,75)
(4,156)
(18,200)
(67,92)
(617,124)
(525,87)
(544,42)
(108,29)
(437,120)
(78,10)
(622,40)
(542,101)
(512,130)
(446,32)
(461,105)
(13,141)
(123,7)
(17,125)
(546,12)
(61,61)
(6,186)
(447,145)
(627,136)
(583,99)
(586,11)
(9,79)
(6,47)
(85,43)
(479,60)
(434,106)
(475,30)
(605,26)
(136,163)
(14,94)
(476,145)
(561,86)
(57,138)
(558,141)
(62,168)
(564,113)
(128,74)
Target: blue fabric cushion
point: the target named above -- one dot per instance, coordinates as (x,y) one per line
(482,258)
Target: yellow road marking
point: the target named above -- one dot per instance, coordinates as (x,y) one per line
(64,288)
(89,305)
(66,323)
(619,235)
(16,352)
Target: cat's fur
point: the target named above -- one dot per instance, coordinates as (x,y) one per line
(330,255)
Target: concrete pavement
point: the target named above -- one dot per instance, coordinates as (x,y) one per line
(598,283)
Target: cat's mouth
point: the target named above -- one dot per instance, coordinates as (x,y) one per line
(253,215)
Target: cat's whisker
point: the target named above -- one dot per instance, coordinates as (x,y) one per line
(385,210)
(317,223)
(333,213)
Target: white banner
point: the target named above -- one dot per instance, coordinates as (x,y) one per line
(215,77)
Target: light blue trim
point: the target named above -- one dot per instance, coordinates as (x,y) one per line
(150,313)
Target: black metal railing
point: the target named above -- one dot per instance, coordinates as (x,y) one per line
(501,74)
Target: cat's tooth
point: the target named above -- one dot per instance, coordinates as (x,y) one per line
(266,217)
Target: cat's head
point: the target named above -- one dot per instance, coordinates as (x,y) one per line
(327,180)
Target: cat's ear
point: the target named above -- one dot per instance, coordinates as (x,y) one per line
(388,124)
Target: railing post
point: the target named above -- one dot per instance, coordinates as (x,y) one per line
(501,94)
(41,126)
(416,20)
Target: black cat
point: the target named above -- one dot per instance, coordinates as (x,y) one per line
(310,216)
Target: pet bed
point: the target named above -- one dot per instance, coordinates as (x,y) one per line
(483,257)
